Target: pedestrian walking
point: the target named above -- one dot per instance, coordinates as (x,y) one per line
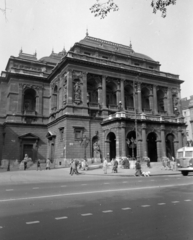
(48,164)
(38,165)
(105,165)
(25,160)
(138,168)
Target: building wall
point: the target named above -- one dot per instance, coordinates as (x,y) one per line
(11,149)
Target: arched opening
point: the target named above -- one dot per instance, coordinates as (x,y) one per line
(152,146)
(111,139)
(92,90)
(95,146)
(111,97)
(160,101)
(131,145)
(129,104)
(145,99)
(29,101)
(170,152)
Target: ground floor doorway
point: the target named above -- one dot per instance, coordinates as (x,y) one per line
(152,146)
(111,140)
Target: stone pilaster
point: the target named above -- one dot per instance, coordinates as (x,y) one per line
(179,102)
(84,92)
(41,101)
(144,140)
(122,94)
(139,107)
(104,91)
(163,141)
(151,100)
(158,145)
(20,100)
(155,111)
(123,141)
(118,140)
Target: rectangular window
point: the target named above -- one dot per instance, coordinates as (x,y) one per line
(61,130)
(105,57)
(78,133)
(136,64)
(150,67)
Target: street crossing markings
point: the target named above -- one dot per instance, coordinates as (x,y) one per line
(35,187)
(60,218)
(145,205)
(175,201)
(127,208)
(34,222)
(107,211)
(161,204)
(8,190)
(86,214)
(188,200)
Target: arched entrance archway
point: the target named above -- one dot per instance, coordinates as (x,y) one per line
(170,152)
(152,146)
(111,139)
(131,145)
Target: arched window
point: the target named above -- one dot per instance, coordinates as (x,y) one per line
(160,101)
(29,105)
(111,97)
(55,98)
(129,104)
(145,99)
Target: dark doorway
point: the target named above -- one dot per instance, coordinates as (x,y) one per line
(52,152)
(28,149)
(170,146)
(152,147)
(112,145)
(131,145)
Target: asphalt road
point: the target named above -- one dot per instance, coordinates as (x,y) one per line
(156,208)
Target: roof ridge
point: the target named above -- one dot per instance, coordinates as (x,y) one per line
(108,42)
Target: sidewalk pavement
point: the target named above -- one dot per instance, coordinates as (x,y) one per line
(62,174)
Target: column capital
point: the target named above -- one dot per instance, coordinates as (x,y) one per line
(163,128)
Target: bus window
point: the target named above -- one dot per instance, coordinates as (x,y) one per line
(188,154)
(180,154)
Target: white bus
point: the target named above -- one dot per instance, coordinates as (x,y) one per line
(184,160)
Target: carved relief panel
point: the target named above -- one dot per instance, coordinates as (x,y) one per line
(77,86)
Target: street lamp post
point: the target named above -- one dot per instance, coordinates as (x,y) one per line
(135,92)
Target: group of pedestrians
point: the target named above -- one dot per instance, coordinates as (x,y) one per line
(169,163)
(27,159)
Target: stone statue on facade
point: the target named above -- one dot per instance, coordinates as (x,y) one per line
(97,151)
(77,92)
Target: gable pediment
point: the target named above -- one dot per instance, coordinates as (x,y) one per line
(29,136)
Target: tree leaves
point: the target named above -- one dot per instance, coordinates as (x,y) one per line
(102,9)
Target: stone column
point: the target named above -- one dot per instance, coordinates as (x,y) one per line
(151,100)
(122,94)
(100,96)
(144,140)
(163,141)
(139,97)
(155,99)
(165,102)
(180,144)
(104,91)
(123,138)
(169,102)
(158,145)
(118,96)
(69,87)
(41,101)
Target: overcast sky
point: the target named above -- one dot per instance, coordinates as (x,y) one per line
(43,25)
